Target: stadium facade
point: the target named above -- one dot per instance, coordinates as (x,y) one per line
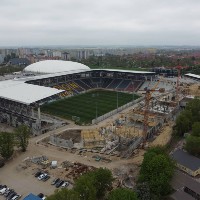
(20,99)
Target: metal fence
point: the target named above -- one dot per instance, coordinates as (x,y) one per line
(113,112)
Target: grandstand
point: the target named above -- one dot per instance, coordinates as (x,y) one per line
(21,98)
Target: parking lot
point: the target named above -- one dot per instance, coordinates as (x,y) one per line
(22,180)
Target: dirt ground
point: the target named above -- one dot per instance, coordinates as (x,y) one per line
(194,89)
(164,137)
(22,180)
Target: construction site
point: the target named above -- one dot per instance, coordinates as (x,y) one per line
(131,129)
(117,143)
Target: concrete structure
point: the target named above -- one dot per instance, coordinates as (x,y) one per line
(21,98)
(19,61)
(65,56)
(1,58)
(186,162)
(57,54)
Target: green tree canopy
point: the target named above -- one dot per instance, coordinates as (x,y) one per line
(193,145)
(22,134)
(143,191)
(64,194)
(196,129)
(183,124)
(102,180)
(122,194)
(85,188)
(6,144)
(194,107)
(157,170)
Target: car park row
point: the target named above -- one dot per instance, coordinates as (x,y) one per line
(9,193)
(57,181)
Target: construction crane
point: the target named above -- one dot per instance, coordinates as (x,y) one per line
(148,96)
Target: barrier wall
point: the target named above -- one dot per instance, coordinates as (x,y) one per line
(113,112)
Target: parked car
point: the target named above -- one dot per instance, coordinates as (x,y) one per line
(16,197)
(3,190)
(43,175)
(65,184)
(58,184)
(46,178)
(10,196)
(38,174)
(2,186)
(41,196)
(55,181)
(7,192)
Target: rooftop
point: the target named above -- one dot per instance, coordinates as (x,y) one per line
(187,160)
(32,197)
(55,66)
(193,75)
(125,71)
(25,93)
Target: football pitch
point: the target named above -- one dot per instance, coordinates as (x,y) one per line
(85,107)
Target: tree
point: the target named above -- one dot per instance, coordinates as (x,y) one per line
(157,170)
(22,134)
(64,194)
(143,191)
(183,124)
(196,129)
(85,188)
(102,180)
(6,144)
(193,145)
(122,193)
(194,107)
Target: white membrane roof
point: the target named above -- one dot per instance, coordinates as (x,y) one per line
(55,66)
(193,75)
(125,71)
(25,93)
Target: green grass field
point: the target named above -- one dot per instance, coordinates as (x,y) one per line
(85,106)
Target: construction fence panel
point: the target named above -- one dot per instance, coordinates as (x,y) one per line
(113,112)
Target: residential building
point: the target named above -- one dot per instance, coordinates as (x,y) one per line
(186,162)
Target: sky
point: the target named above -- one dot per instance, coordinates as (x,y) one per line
(99,22)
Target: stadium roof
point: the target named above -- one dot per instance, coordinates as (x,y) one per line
(125,71)
(193,75)
(25,93)
(55,66)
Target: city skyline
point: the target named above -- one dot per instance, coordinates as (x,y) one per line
(106,23)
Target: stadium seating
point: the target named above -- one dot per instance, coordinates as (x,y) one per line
(82,84)
(133,86)
(151,84)
(106,82)
(123,84)
(114,84)
(70,88)
(88,82)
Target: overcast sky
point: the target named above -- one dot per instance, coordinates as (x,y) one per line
(99,22)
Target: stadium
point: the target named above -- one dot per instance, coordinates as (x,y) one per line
(70,90)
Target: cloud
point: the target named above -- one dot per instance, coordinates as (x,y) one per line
(89,22)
